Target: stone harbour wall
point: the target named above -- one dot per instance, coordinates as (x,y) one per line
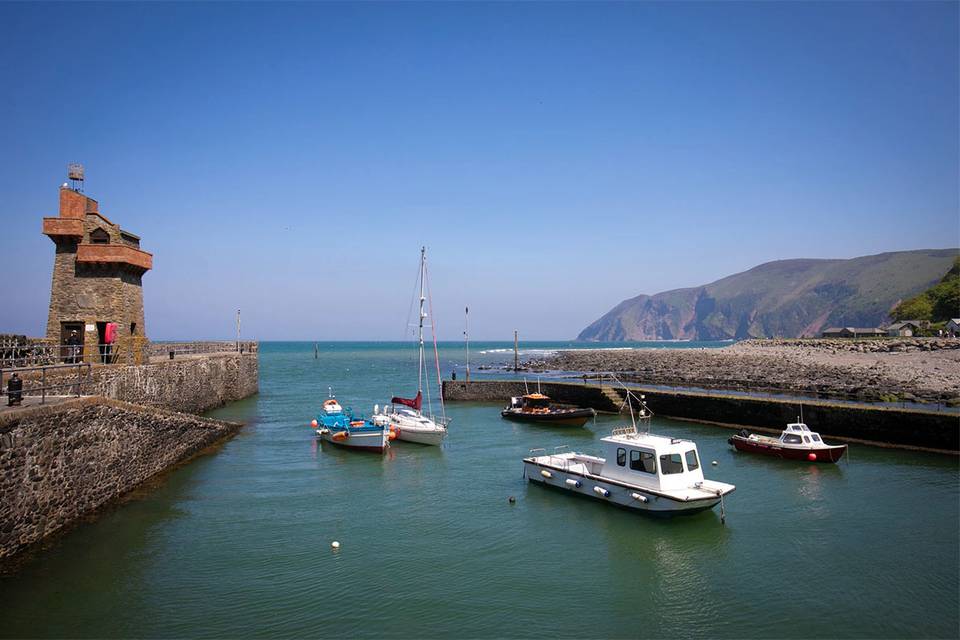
(61,462)
(190,384)
(910,428)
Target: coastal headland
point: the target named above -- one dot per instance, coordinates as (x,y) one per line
(919,370)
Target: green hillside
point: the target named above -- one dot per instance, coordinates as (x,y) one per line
(939,303)
(788,298)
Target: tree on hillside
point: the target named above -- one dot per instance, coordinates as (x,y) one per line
(937,304)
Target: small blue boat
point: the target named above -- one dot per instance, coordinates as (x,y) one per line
(342,428)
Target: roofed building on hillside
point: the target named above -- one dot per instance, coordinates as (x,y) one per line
(953,327)
(905,329)
(852,332)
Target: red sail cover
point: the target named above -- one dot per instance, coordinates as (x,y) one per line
(409,402)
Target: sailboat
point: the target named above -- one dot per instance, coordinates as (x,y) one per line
(406,416)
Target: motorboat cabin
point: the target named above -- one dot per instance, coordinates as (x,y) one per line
(796,442)
(641,471)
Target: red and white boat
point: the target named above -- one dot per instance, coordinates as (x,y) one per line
(796,442)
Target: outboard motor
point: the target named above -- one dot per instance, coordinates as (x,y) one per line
(14,390)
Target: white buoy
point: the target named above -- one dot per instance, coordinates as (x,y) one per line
(335,544)
(714,463)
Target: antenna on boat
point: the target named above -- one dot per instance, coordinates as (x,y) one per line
(466,337)
(526,388)
(538,384)
(801,413)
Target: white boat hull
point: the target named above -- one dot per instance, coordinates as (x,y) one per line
(422,436)
(620,494)
(374,441)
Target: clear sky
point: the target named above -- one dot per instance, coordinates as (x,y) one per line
(290,159)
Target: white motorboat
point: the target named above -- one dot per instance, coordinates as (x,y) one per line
(641,471)
(406,416)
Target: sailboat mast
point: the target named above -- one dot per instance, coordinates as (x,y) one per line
(423,259)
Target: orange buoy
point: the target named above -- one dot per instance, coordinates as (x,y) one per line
(812,457)
(392,435)
(313,423)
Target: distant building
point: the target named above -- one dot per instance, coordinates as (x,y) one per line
(905,329)
(852,332)
(97,271)
(953,327)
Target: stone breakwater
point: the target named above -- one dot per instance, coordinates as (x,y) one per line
(916,370)
(192,384)
(908,428)
(59,463)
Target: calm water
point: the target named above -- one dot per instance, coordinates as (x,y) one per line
(238,543)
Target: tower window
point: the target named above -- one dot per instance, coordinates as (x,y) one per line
(99,236)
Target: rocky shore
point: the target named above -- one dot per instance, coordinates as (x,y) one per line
(887,370)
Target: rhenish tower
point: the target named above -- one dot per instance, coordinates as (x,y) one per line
(97,273)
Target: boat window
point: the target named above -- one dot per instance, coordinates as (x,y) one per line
(815,437)
(806,439)
(692,462)
(621,457)
(671,463)
(792,439)
(643,461)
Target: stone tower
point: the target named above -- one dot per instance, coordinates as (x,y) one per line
(97,273)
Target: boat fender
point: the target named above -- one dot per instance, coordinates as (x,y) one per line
(574,483)
(640,498)
(812,457)
(546,474)
(340,435)
(392,435)
(314,423)
(601,491)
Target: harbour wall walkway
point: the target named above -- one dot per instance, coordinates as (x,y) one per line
(62,462)
(192,383)
(885,426)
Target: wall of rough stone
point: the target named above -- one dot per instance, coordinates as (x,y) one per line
(61,462)
(192,384)
(885,425)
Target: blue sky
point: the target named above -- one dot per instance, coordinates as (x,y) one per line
(290,159)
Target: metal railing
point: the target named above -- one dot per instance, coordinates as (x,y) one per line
(41,379)
(125,350)
(164,349)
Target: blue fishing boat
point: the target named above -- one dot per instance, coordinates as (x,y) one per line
(342,428)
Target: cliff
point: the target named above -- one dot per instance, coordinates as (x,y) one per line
(785,298)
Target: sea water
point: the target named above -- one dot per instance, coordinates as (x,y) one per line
(238,543)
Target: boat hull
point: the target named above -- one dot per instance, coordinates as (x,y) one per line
(421,436)
(618,494)
(376,442)
(828,454)
(576,418)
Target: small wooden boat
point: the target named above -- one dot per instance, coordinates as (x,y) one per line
(796,442)
(536,407)
(339,427)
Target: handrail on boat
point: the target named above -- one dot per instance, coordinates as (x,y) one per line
(538,449)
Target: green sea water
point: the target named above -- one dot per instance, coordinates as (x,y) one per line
(237,543)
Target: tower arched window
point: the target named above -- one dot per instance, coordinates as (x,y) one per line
(99,236)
